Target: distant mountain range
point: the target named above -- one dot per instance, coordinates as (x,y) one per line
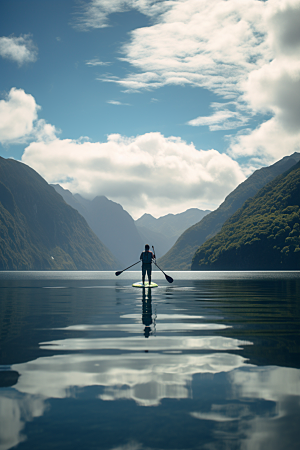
(123,236)
(165,230)
(264,234)
(39,231)
(179,257)
(110,222)
(44,228)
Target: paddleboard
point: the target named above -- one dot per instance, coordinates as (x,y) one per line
(146,285)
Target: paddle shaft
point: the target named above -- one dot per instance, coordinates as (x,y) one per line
(119,273)
(168,278)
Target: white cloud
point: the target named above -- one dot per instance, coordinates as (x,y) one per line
(274,88)
(17,115)
(116,102)
(97,62)
(149,172)
(19,49)
(95,14)
(247,51)
(212,44)
(223,118)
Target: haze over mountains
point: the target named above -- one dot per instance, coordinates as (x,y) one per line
(166,229)
(39,231)
(123,236)
(42,228)
(110,222)
(179,257)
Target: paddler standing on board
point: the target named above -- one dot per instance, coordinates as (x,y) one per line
(147,257)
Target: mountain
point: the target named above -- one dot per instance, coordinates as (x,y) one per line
(110,222)
(39,231)
(160,242)
(264,234)
(179,257)
(164,231)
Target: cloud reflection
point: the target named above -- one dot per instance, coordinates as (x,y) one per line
(15,411)
(268,428)
(146,378)
(158,344)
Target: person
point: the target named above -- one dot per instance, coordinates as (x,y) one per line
(147,257)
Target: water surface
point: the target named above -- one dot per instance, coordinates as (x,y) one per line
(211,361)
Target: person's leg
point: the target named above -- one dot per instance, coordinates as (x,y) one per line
(143,274)
(149,274)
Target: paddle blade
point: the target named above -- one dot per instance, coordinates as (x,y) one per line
(118,273)
(169,279)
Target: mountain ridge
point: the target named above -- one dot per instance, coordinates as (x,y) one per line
(165,230)
(264,234)
(39,231)
(179,257)
(110,222)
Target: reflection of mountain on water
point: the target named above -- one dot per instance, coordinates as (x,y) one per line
(8,378)
(263,310)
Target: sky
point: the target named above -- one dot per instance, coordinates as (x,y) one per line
(160,105)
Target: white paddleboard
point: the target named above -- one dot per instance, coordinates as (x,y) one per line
(146,285)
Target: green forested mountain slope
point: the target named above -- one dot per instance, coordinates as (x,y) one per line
(264,234)
(179,257)
(39,231)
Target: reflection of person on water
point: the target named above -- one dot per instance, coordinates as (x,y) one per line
(147,257)
(147,312)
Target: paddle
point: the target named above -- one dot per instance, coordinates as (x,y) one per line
(120,271)
(168,278)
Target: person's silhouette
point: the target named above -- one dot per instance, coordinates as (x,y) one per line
(147,257)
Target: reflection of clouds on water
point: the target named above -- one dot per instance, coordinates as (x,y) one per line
(15,411)
(280,385)
(274,427)
(144,378)
(259,406)
(137,328)
(160,343)
(270,383)
(133,445)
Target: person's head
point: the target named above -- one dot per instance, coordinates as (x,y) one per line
(147,248)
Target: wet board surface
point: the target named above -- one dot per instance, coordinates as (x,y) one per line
(146,285)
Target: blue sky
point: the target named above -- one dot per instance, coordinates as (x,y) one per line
(159,105)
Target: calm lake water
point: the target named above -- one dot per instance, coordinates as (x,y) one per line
(211,361)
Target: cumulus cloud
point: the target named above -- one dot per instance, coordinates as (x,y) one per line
(246,51)
(148,172)
(18,113)
(274,88)
(19,49)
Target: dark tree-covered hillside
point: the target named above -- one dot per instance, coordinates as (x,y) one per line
(179,257)
(264,234)
(39,231)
